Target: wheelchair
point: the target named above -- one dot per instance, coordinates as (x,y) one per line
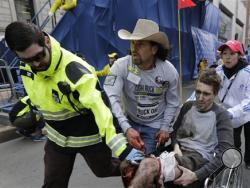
(230,175)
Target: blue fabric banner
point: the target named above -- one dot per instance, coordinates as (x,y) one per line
(212,13)
(91,28)
(206,45)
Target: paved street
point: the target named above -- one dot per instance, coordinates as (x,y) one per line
(21,166)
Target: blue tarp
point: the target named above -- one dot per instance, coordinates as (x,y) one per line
(8,57)
(206,45)
(2,47)
(5,53)
(205,39)
(212,21)
(91,28)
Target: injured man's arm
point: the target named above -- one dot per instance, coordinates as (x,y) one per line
(152,171)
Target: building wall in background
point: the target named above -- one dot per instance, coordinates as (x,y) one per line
(24,10)
(233,19)
(7,14)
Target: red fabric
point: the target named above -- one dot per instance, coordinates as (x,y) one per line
(185,4)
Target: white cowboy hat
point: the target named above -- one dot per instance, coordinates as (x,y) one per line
(145,30)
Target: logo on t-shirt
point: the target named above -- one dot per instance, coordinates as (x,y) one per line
(159,80)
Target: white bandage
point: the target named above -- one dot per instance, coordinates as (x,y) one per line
(168,164)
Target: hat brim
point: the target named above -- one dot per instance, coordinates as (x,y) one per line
(223,46)
(160,37)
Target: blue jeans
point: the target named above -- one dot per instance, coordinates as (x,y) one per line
(147,135)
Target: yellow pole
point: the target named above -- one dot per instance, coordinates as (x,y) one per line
(180,58)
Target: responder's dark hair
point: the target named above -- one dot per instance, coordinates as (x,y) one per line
(162,53)
(20,35)
(211,78)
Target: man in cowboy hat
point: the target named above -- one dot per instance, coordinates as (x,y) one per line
(149,84)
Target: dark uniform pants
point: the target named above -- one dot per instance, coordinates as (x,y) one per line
(59,163)
(237,140)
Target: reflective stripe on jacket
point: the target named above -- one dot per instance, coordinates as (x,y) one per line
(65,126)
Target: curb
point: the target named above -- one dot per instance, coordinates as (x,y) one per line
(7,132)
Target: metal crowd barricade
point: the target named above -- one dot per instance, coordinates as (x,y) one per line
(7,86)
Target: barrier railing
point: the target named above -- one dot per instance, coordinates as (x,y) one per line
(11,89)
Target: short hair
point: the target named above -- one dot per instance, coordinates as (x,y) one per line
(20,35)
(211,78)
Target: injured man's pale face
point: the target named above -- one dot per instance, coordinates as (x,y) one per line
(153,171)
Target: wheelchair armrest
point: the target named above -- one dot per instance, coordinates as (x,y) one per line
(208,180)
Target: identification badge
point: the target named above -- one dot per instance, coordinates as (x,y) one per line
(133,78)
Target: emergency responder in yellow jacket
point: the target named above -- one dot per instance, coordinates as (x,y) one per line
(65,89)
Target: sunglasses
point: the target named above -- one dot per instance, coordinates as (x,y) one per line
(37,58)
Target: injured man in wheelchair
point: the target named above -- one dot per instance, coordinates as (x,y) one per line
(202,131)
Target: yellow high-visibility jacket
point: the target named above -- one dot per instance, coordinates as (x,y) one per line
(65,126)
(25,106)
(20,109)
(24,115)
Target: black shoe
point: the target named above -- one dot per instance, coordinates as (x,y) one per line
(23,133)
(247,166)
(38,138)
